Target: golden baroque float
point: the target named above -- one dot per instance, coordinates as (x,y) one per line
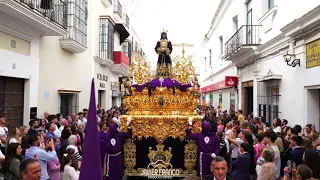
(161,107)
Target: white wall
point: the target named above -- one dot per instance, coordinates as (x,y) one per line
(60,69)
(26,67)
(295,101)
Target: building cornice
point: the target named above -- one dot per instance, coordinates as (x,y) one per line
(19,29)
(216,19)
(302,24)
(218,72)
(104,62)
(108,17)
(119,69)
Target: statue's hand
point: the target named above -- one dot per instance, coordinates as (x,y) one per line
(128,121)
(190,121)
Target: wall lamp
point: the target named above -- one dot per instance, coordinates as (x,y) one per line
(291,58)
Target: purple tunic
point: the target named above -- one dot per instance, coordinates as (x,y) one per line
(207,143)
(112,145)
(101,135)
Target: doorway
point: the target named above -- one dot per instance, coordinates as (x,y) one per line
(12,101)
(313,107)
(247,97)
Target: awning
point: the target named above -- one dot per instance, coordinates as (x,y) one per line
(269,77)
(68,91)
(124,34)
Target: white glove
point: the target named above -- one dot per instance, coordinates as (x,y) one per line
(117,121)
(128,121)
(213,155)
(190,121)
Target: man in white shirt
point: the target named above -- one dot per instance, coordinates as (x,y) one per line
(3,133)
(53,119)
(63,123)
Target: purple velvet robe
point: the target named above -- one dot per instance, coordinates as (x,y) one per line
(163,57)
(101,135)
(112,145)
(207,143)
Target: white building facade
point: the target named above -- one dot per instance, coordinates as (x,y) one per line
(22,24)
(256,36)
(99,45)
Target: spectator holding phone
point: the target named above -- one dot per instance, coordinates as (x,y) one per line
(43,157)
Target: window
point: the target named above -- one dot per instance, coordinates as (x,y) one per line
(136,46)
(232,100)
(106,44)
(126,49)
(69,103)
(221,46)
(235,24)
(270,4)
(268,99)
(77,21)
(210,53)
(117,7)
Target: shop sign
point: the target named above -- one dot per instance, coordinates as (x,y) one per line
(231,81)
(115,86)
(313,54)
(228,82)
(102,77)
(102,85)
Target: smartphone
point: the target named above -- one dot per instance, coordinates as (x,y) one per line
(289,165)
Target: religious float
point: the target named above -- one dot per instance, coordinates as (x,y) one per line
(160,105)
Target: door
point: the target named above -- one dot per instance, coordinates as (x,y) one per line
(65,101)
(249,23)
(12,101)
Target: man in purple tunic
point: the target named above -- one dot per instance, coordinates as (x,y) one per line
(208,147)
(112,145)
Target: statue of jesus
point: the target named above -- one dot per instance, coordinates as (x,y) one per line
(164,49)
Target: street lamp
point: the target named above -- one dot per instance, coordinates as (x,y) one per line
(291,58)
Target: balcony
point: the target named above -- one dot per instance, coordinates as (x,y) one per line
(106,3)
(48,16)
(243,43)
(121,63)
(117,11)
(75,41)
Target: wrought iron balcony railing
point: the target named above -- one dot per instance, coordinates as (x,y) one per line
(117,8)
(54,10)
(247,35)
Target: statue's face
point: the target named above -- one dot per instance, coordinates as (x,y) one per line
(163,36)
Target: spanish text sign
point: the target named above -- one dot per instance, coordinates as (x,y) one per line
(313,54)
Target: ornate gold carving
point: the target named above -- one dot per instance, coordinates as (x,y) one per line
(160,127)
(129,149)
(158,156)
(184,69)
(140,69)
(190,157)
(182,103)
